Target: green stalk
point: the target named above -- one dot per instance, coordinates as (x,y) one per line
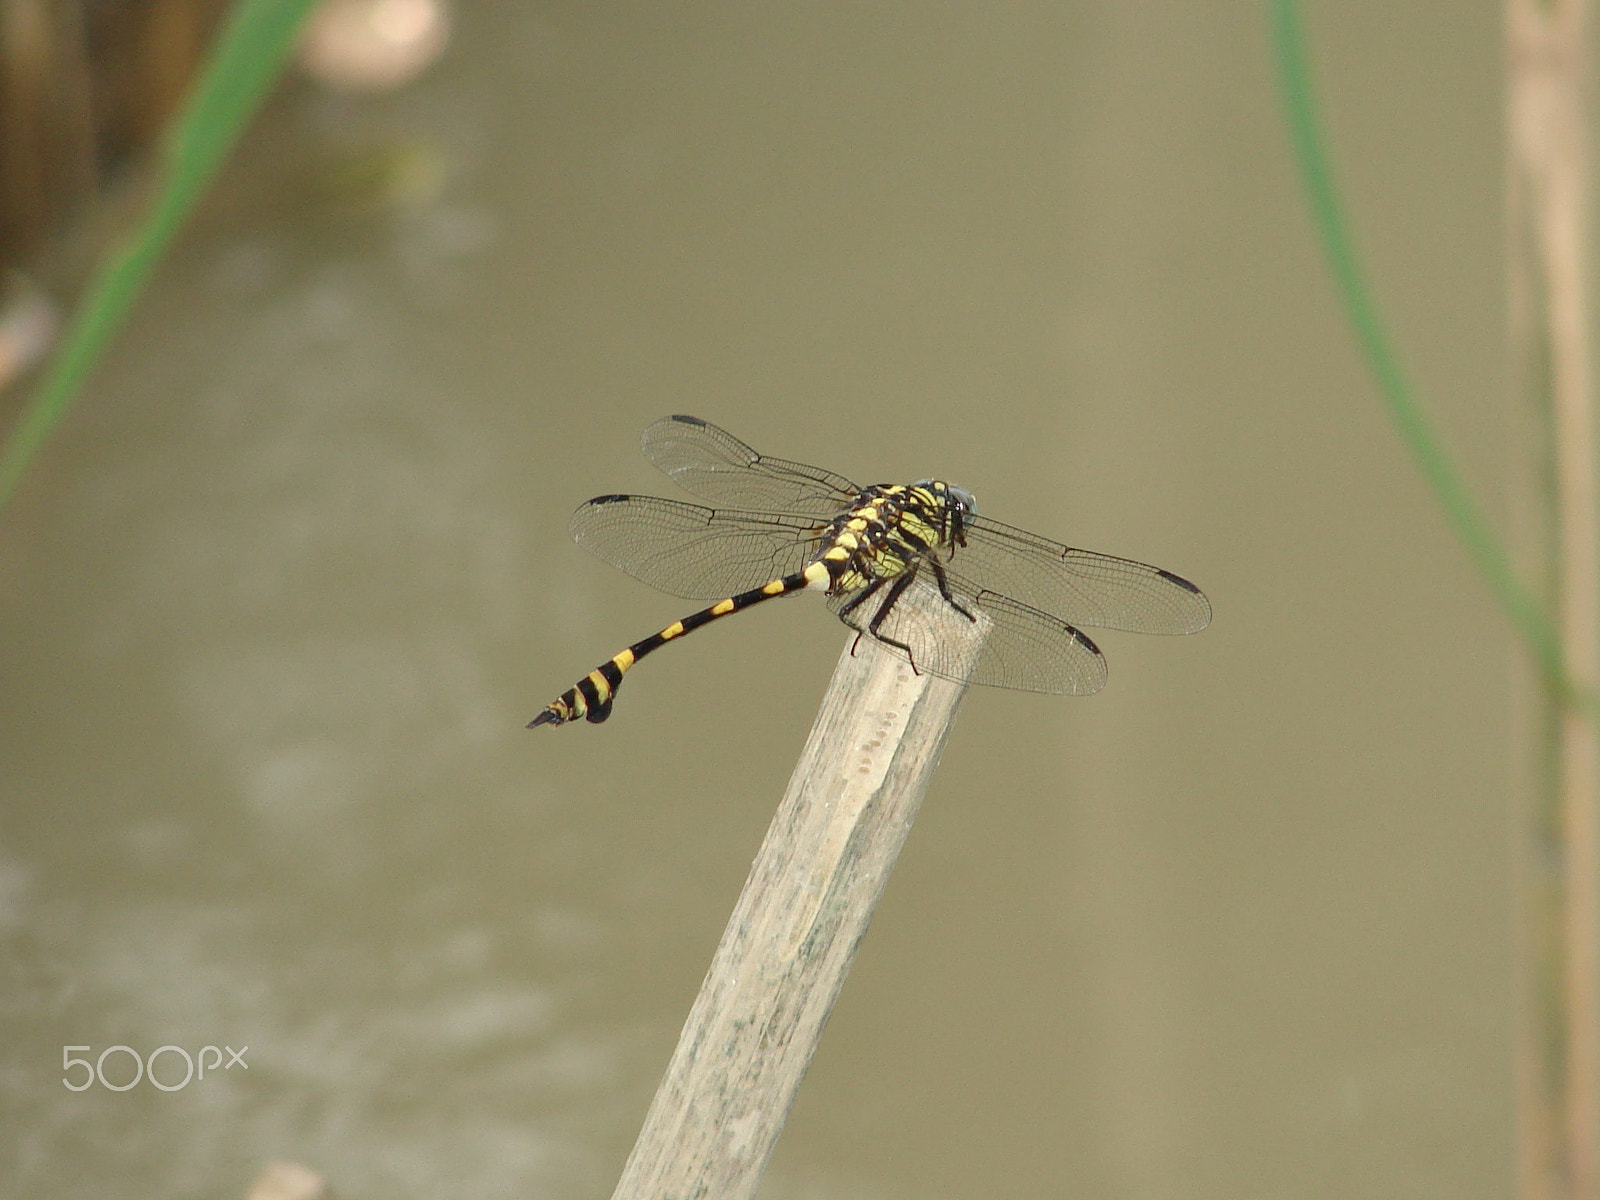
(1300,108)
(247,58)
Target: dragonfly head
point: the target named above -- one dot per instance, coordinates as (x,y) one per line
(956,496)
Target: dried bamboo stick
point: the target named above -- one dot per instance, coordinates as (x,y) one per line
(1550,114)
(804,909)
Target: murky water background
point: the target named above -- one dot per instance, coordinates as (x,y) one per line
(279,598)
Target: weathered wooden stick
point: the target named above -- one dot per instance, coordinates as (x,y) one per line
(811,891)
(1550,136)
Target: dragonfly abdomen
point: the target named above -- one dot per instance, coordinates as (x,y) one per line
(591,697)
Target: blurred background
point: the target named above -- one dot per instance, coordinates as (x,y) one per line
(282,591)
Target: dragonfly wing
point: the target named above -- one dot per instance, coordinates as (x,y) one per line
(691,551)
(1079,587)
(1027,650)
(714,465)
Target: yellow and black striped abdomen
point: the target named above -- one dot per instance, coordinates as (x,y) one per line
(591,696)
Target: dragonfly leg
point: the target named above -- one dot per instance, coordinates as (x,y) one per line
(860,598)
(896,590)
(944,589)
(855,602)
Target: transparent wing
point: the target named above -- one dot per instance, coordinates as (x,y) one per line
(1077,586)
(714,465)
(691,551)
(1027,650)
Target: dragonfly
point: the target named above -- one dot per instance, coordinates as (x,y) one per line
(781,527)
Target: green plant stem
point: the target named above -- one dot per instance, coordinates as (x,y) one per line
(248,56)
(1294,78)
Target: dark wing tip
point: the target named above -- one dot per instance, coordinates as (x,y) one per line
(687,420)
(1202,616)
(1084,640)
(1095,680)
(611,498)
(1179,580)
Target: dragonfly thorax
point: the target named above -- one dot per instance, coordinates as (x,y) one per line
(890,529)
